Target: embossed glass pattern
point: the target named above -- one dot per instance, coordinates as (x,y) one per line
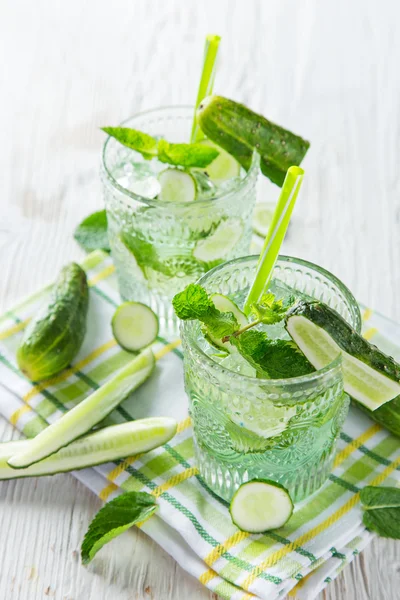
(232,412)
(165,234)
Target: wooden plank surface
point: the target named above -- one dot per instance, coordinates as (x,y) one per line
(329,71)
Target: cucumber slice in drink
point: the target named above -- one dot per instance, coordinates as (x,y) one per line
(176,186)
(110,443)
(223,167)
(225,304)
(263,214)
(371,378)
(220,244)
(87,413)
(135,326)
(260,505)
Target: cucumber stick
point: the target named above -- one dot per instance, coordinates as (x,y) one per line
(240,131)
(87,413)
(260,505)
(110,443)
(53,338)
(371,377)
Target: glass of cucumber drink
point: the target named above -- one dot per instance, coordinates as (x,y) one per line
(260,410)
(168,224)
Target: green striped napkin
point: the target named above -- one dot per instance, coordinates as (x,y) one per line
(192,524)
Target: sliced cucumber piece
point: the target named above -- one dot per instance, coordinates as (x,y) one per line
(223,167)
(135,326)
(225,304)
(260,505)
(87,413)
(110,443)
(262,219)
(176,186)
(370,377)
(220,244)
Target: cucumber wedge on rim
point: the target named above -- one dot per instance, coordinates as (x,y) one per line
(260,505)
(105,445)
(371,377)
(219,245)
(223,167)
(87,413)
(225,304)
(176,186)
(134,325)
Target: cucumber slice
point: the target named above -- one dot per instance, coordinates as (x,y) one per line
(176,186)
(225,304)
(262,219)
(221,243)
(260,505)
(108,444)
(134,326)
(87,413)
(223,167)
(370,377)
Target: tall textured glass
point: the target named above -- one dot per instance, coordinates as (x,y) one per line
(160,247)
(245,427)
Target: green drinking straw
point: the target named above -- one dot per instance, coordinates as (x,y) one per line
(206,81)
(275,235)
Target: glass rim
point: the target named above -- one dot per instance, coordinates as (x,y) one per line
(157,203)
(311,378)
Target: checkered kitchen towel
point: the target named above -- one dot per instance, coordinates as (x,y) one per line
(192,524)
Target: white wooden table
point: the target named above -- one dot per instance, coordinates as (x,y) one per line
(329,71)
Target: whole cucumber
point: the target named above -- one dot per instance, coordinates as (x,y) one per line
(240,131)
(53,338)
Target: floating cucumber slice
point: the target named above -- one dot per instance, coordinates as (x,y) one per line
(176,186)
(370,377)
(225,304)
(263,214)
(261,505)
(220,244)
(87,413)
(105,445)
(134,326)
(223,167)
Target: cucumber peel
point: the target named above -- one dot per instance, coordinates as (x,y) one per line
(260,505)
(240,131)
(371,378)
(87,413)
(107,444)
(135,326)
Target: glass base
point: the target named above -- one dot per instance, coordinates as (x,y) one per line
(224,478)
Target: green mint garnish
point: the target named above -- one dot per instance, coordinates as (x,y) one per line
(269,310)
(194,303)
(276,359)
(179,155)
(91,233)
(145,254)
(382,510)
(114,518)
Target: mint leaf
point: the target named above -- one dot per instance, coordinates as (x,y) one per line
(186,155)
(114,518)
(382,510)
(145,254)
(136,140)
(276,359)
(91,233)
(194,303)
(269,310)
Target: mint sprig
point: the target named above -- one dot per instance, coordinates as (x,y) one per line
(114,518)
(179,155)
(91,233)
(381,507)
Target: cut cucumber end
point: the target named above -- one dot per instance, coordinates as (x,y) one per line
(221,243)
(135,326)
(260,505)
(223,167)
(176,186)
